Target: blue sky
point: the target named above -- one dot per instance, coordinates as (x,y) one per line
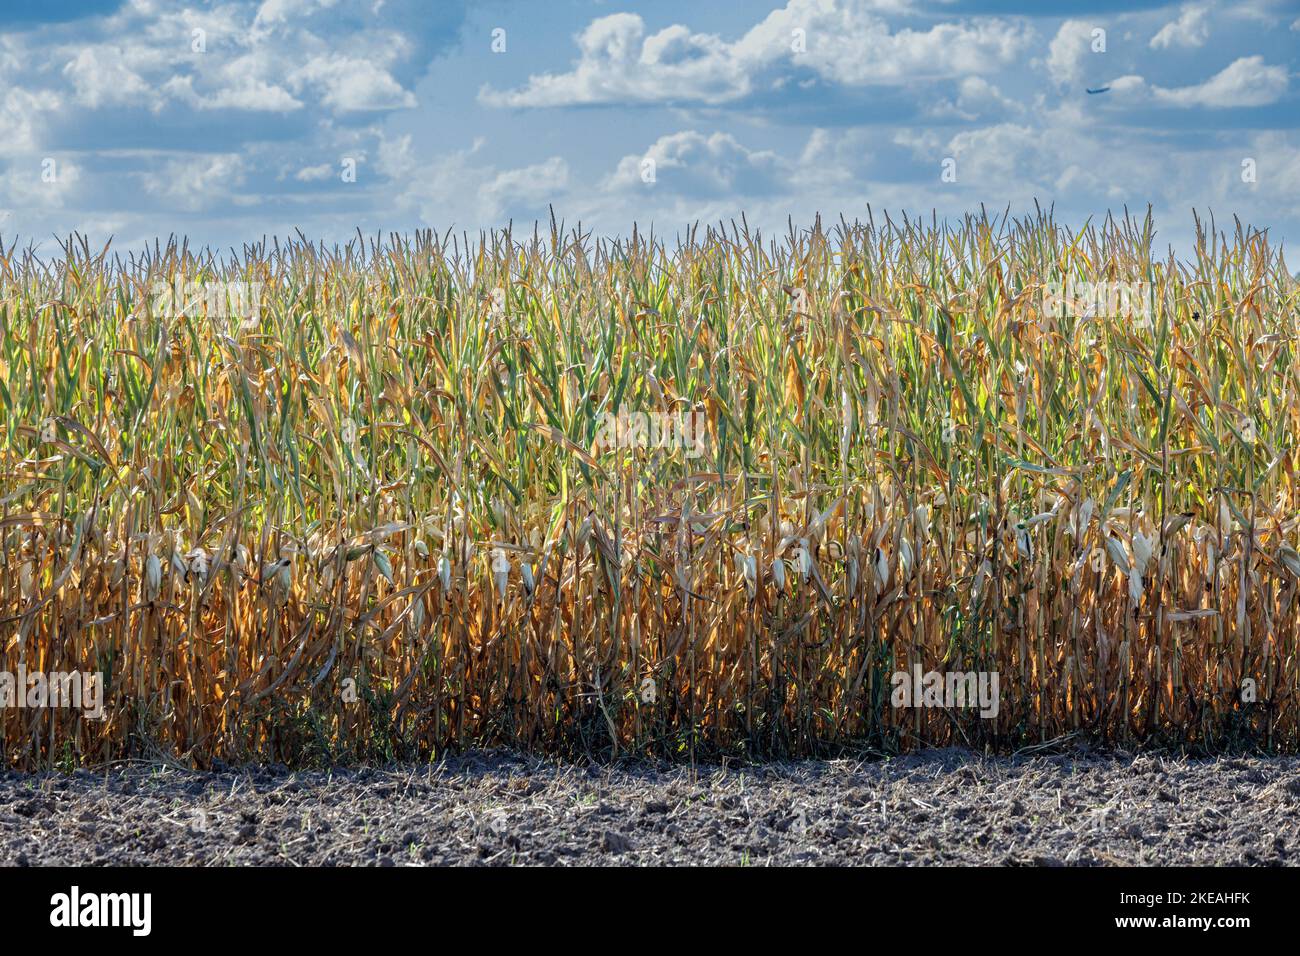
(230,120)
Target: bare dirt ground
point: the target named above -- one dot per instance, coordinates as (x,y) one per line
(937,807)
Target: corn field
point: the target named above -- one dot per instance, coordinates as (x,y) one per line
(382,512)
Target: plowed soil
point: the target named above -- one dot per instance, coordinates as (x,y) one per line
(937,807)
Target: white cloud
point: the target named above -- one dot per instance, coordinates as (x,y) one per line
(1061,155)
(348,84)
(1279,167)
(460,187)
(279,11)
(256,59)
(101,76)
(834,161)
(693,164)
(618,62)
(395,159)
(1066,53)
(1127,85)
(1189,31)
(20,118)
(25,180)
(529,185)
(1246,82)
(1055,154)
(976,97)
(842,42)
(1058,155)
(247,93)
(314,174)
(847,44)
(1011,156)
(195,183)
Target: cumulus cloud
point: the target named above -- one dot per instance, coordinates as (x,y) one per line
(44,183)
(20,118)
(1057,153)
(247,93)
(1189,31)
(976,98)
(617,62)
(530,185)
(1066,53)
(1248,81)
(461,188)
(348,83)
(844,42)
(848,44)
(314,174)
(834,160)
(276,57)
(1129,84)
(694,164)
(101,76)
(279,11)
(197,182)
(1279,160)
